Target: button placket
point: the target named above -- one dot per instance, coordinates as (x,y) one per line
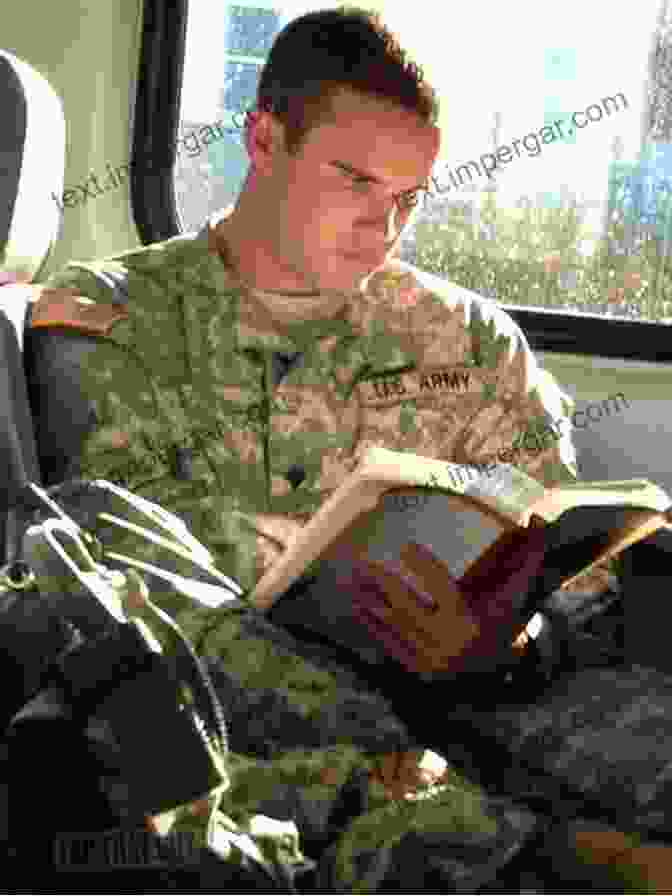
(197,348)
(312,426)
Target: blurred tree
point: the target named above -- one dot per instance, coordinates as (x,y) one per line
(658,122)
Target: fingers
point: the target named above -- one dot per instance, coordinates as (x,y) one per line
(423,574)
(420,560)
(418,614)
(433,767)
(422,615)
(372,609)
(437,581)
(414,586)
(410,649)
(404,603)
(408,768)
(401,650)
(394,609)
(441,633)
(404,773)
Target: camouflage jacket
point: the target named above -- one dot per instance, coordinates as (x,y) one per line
(204,404)
(199,401)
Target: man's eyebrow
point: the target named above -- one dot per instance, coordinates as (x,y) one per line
(366,175)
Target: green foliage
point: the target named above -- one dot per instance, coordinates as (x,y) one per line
(536,259)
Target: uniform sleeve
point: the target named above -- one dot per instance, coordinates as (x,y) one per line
(111,373)
(66,414)
(480,394)
(528,422)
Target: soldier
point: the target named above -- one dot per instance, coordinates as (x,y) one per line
(234,376)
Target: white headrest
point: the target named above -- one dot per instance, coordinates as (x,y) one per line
(32,164)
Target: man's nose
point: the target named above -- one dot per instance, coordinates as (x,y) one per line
(387,219)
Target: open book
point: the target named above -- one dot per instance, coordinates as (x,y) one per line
(459,512)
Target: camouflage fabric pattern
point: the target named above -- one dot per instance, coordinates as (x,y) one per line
(345,731)
(600,735)
(301,741)
(411,363)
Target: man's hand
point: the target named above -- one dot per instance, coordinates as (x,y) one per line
(414,607)
(427,619)
(404,775)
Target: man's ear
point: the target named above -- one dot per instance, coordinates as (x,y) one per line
(264,138)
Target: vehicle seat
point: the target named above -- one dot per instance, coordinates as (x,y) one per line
(32,167)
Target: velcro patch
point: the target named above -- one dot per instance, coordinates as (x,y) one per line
(65,308)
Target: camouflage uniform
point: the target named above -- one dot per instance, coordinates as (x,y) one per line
(204,404)
(186,376)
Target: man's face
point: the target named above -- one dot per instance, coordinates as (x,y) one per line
(333,225)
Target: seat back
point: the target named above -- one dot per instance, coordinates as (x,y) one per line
(32,166)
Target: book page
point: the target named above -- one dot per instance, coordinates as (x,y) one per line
(511,490)
(501,492)
(508,491)
(456,532)
(632,493)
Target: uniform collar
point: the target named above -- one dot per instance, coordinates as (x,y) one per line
(254,326)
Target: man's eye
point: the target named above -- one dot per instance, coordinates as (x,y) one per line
(360,184)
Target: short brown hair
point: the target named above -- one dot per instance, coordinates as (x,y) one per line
(322,52)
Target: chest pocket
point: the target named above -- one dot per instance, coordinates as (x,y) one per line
(142,448)
(312,433)
(226,439)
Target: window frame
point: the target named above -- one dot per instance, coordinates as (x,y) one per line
(153,156)
(156,119)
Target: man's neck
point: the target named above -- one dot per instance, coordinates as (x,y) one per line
(251,260)
(286,300)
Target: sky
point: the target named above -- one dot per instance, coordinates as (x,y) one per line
(525,58)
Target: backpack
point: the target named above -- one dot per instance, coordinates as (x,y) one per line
(29,633)
(37,643)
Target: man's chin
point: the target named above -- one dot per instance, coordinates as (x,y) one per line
(348,273)
(342,284)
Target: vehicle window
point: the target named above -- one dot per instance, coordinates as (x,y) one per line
(554,184)
(226,46)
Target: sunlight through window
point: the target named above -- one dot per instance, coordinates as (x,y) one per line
(553,187)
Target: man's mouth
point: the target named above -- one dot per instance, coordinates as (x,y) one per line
(367,257)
